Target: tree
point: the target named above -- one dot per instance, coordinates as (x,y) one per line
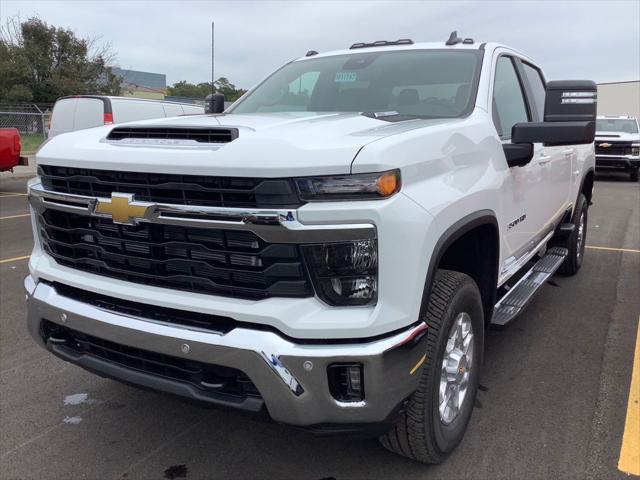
(40,63)
(201,90)
(228,89)
(186,89)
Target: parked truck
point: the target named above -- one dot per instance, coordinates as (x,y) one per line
(617,145)
(331,249)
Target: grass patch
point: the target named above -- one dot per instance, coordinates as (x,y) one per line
(30,143)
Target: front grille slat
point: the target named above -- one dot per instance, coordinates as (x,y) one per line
(206,191)
(219,262)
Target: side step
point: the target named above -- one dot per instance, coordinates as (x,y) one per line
(516,299)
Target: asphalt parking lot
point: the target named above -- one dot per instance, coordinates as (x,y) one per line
(552,405)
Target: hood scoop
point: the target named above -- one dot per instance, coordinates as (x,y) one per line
(180,136)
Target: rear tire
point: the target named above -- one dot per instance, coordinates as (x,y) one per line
(576,241)
(431,426)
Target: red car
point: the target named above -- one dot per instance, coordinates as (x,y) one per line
(10,149)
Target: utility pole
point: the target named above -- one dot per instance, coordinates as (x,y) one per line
(213,90)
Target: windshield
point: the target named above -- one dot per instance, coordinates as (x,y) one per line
(423,83)
(616,125)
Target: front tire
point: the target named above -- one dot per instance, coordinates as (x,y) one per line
(437,414)
(576,241)
(633,175)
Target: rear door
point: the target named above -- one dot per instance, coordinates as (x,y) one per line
(89,113)
(62,117)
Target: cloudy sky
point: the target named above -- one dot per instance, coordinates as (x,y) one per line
(598,40)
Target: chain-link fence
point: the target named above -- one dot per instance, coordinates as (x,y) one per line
(31,120)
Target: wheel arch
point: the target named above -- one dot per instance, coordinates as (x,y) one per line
(483,268)
(586,185)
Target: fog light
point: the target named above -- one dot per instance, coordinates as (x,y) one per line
(346,382)
(344,273)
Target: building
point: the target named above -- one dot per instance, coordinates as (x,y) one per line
(142,84)
(619,98)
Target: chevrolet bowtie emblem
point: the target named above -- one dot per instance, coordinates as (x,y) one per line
(605,145)
(123,208)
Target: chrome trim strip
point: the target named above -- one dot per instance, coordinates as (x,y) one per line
(272,225)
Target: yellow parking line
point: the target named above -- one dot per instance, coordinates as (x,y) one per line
(14,259)
(630,250)
(12,194)
(629,461)
(15,216)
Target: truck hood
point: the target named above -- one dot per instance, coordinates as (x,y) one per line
(617,136)
(268,145)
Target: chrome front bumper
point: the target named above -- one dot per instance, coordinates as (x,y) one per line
(291,377)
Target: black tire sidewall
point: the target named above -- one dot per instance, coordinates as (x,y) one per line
(466,299)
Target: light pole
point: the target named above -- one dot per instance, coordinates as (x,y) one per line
(213,90)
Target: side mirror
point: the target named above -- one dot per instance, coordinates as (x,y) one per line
(569,116)
(518,154)
(554,133)
(214,103)
(571,101)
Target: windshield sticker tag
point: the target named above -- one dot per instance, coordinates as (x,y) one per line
(346,77)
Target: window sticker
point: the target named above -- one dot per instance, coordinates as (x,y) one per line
(345,77)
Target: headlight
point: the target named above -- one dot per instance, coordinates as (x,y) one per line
(635,150)
(344,273)
(365,186)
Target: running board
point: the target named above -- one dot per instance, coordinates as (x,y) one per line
(517,298)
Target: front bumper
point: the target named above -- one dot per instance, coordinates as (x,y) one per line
(290,377)
(626,162)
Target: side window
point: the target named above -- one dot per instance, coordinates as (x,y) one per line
(509,105)
(537,88)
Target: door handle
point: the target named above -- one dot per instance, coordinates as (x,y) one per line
(568,151)
(543,159)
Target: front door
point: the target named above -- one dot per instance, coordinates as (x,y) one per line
(524,189)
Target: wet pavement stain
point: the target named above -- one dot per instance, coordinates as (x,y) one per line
(176,471)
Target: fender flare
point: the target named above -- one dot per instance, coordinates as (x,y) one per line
(450,235)
(591,170)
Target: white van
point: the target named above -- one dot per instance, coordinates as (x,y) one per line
(87,111)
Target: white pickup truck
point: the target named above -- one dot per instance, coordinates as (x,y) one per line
(331,249)
(617,145)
